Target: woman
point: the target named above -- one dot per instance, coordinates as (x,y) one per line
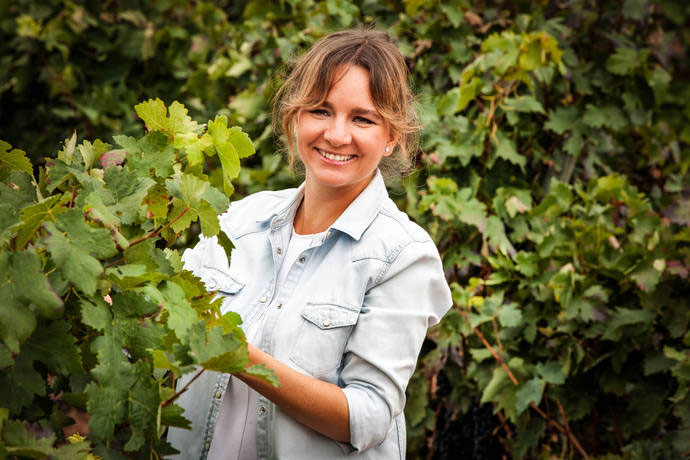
(335,286)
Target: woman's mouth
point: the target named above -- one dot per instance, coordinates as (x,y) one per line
(333,156)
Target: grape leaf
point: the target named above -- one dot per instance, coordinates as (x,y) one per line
(155,115)
(551,373)
(32,218)
(181,315)
(20,383)
(92,152)
(524,104)
(73,261)
(55,346)
(264,373)
(528,392)
(13,160)
(32,286)
(95,313)
(96,241)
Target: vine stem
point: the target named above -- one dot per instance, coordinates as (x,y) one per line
(543,414)
(157,232)
(172,399)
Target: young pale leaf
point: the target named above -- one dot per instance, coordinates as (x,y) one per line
(13,160)
(32,218)
(154,114)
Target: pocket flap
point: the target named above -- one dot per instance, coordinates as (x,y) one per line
(329,316)
(217,280)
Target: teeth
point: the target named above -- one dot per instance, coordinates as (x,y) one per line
(334,157)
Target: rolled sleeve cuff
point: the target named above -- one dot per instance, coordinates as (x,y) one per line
(370,419)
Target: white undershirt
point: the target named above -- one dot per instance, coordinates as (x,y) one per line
(234,437)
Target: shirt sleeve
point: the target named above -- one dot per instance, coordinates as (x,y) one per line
(381,353)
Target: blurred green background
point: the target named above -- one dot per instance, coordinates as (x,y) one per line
(553,175)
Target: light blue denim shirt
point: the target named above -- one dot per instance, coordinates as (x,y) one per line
(354,312)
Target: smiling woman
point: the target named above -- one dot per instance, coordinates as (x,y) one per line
(335,286)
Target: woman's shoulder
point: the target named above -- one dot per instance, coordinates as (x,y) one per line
(391,231)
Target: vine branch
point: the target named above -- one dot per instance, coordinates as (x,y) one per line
(157,232)
(543,414)
(172,399)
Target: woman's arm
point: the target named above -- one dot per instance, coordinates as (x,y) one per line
(320,405)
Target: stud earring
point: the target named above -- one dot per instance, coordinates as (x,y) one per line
(388,149)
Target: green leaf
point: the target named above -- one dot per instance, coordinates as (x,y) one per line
(562,119)
(90,153)
(499,380)
(509,315)
(506,149)
(172,415)
(31,285)
(95,313)
(20,383)
(73,261)
(551,373)
(609,116)
(626,317)
(33,217)
(528,392)
(55,346)
(216,350)
(181,315)
(625,60)
(496,236)
(13,160)
(96,241)
(264,373)
(525,104)
(155,115)
(21,444)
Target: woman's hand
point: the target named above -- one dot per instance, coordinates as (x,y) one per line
(320,405)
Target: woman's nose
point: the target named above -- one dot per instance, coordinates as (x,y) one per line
(337,133)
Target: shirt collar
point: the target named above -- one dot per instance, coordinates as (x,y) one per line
(353,221)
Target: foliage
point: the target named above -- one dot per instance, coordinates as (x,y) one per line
(553,176)
(97,313)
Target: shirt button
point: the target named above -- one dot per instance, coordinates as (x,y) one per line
(302,259)
(262,410)
(279,251)
(218,394)
(263,300)
(326,323)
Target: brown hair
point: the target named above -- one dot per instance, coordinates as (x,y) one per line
(314,73)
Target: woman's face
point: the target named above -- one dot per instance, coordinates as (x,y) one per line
(342,141)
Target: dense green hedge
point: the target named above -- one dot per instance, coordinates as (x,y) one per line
(553,175)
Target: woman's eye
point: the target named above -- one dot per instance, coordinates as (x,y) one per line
(320,112)
(366,121)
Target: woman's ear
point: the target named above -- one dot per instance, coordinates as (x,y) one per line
(390,145)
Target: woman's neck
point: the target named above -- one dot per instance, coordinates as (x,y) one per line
(320,208)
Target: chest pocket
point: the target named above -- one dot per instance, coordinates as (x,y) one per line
(227,286)
(322,336)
